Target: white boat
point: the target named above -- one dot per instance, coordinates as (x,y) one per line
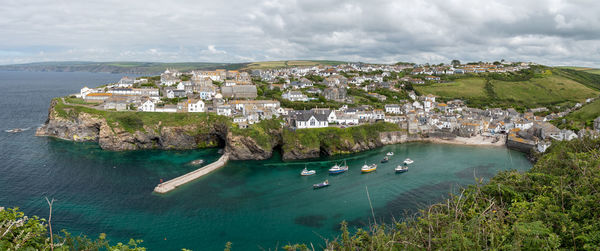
(401,169)
(307,172)
(338,169)
(408,161)
(390,154)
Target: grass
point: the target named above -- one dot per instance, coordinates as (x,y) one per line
(135,121)
(546,90)
(582,118)
(78,101)
(261,133)
(584,69)
(334,140)
(555,87)
(463,88)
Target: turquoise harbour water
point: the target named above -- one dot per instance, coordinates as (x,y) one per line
(253,204)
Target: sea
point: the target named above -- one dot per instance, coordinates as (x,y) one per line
(255,205)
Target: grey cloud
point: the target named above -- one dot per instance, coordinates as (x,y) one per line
(550,32)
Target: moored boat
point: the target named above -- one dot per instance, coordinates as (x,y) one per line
(321,185)
(385,159)
(368,168)
(401,169)
(307,172)
(390,154)
(335,169)
(408,161)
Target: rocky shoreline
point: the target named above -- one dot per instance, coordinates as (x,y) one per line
(95,128)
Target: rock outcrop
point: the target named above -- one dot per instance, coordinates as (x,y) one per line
(241,145)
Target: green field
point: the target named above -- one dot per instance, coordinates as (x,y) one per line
(546,90)
(290,63)
(543,90)
(461,88)
(584,69)
(581,118)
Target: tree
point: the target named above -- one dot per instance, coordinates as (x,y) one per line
(455,62)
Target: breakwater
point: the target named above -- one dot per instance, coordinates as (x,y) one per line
(170,185)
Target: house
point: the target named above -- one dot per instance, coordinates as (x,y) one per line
(346,119)
(239,91)
(194,105)
(171,93)
(166,108)
(169,78)
(97,97)
(125,82)
(147,106)
(118,103)
(309,119)
(432,78)
(85,91)
(294,96)
(224,110)
(335,94)
(393,108)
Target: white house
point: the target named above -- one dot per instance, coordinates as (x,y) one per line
(224,110)
(393,108)
(85,91)
(147,106)
(294,96)
(181,86)
(195,106)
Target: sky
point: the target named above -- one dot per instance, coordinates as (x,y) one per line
(552,32)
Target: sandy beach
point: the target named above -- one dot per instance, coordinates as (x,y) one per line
(478,140)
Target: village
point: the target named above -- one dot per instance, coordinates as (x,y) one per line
(319,96)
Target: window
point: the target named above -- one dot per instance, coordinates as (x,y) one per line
(312,122)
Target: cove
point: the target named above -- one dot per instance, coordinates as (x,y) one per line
(253,204)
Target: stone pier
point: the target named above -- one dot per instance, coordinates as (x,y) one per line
(170,185)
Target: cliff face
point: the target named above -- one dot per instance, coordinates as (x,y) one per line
(90,127)
(256,143)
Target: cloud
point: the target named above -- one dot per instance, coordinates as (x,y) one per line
(556,32)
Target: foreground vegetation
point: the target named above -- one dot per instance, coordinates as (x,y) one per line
(555,205)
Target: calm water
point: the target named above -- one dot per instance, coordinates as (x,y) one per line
(254,204)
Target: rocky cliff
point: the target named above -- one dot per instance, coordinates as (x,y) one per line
(137,131)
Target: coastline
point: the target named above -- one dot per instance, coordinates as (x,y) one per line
(478,140)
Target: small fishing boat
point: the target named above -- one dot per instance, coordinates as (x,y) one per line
(368,168)
(401,169)
(390,154)
(197,162)
(307,172)
(335,169)
(16,130)
(408,161)
(321,185)
(385,159)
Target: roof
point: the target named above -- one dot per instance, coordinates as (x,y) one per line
(99,94)
(305,116)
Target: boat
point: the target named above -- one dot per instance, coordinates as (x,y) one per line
(16,130)
(401,169)
(321,185)
(197,162)
(307,172)
(335,169)
(408,161)
(390,154)
(368,168)
(385,159)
